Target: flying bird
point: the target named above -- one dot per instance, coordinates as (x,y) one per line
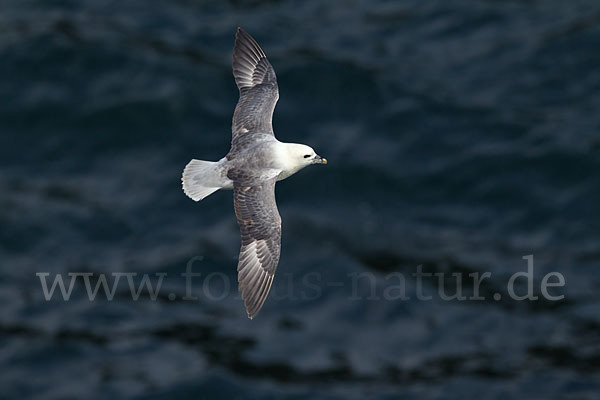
(255,162)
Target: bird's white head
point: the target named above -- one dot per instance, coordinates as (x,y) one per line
(303,155)
(294,157)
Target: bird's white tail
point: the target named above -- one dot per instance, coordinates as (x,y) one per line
(201,178)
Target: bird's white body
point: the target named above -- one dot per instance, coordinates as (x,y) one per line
(274,158)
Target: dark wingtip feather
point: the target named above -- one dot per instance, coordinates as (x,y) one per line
(249,61)
(256,268)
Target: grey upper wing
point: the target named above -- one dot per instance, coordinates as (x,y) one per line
(260,228)
(256,80)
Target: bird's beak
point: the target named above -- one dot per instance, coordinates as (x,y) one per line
(320,160)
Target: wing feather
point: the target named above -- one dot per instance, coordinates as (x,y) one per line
(260,229)
(257,82)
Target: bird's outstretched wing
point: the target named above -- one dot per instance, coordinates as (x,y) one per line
(260,228)
(256,80)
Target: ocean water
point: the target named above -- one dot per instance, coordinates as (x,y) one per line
(461,136)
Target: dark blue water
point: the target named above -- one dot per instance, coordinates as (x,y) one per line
(461,136)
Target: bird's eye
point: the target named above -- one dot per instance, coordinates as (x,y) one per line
(307,155)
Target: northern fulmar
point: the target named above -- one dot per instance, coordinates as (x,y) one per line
(255,162)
